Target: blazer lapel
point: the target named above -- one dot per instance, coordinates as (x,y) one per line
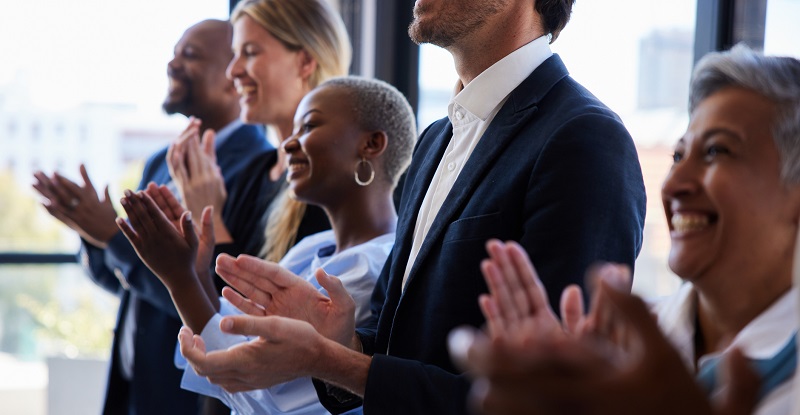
(515,113)
(430,151)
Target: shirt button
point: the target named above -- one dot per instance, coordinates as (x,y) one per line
(451,166)
(459,115)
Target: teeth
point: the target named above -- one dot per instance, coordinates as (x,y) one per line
(245,90)
(688,222)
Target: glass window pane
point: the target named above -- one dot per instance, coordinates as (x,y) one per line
(80,82)
(636,56)
(782,30)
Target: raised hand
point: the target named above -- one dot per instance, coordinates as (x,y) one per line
(78,207)
(168,251)
(595,374)
(193,165)
(269,289)
(173,210)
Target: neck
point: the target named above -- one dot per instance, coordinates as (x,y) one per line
(362,217)
(723,313)
(495,40)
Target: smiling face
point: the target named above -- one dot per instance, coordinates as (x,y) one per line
(324,149)
(270,78)
(729,214)
(197,82)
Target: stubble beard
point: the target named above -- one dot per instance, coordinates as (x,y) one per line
(447,30)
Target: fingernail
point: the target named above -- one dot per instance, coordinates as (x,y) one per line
(128,193)
(188,216)
(226,325)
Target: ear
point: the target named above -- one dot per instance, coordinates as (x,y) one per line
(306,64)
(373,145)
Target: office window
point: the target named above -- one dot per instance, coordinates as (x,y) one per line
(636,56)
(782,30)
(83,83)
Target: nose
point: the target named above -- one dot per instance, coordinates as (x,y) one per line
(173,65)
(291,144)
(684,178)
(234,69)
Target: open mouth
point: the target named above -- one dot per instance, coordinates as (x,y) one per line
(692,222)
(297,167)
(246,91)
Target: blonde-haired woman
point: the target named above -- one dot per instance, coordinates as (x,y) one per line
(282,50)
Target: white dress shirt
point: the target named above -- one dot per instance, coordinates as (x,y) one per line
(762,338)
(471,111)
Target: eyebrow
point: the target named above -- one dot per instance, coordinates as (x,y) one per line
(309,113)
(721,130)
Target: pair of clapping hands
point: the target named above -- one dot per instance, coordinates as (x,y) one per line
(613,360)
(289,316)
(192,163)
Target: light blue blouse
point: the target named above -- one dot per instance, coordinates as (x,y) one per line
(357,267)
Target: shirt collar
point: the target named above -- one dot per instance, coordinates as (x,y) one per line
(225,132)
(485,93)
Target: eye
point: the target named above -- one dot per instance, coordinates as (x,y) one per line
(677,156)
(249,52)
(715,150)
(307,127)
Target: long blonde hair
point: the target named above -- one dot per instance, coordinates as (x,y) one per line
(313,26)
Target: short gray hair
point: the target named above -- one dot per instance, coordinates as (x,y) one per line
(776,78)
(378,106)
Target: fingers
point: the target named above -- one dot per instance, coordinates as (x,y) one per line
(128,232)
(87,182)
(529,280)
(208,144)
(243,304)
(255,285)
(207,225)
(572,314)
(518,293)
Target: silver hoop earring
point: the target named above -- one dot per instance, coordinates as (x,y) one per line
(371,172)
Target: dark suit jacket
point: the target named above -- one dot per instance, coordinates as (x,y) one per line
(155,388)
(555,171)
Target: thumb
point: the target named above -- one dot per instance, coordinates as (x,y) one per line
(107,196)
(336,291)
(247,325)
(187,228)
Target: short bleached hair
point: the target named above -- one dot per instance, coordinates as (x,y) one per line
(378,106)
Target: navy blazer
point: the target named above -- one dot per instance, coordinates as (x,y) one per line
(555,171)
(156,381)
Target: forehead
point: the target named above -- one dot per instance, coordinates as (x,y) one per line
(329,100)
(245,28)
(742,112)
(206,36)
